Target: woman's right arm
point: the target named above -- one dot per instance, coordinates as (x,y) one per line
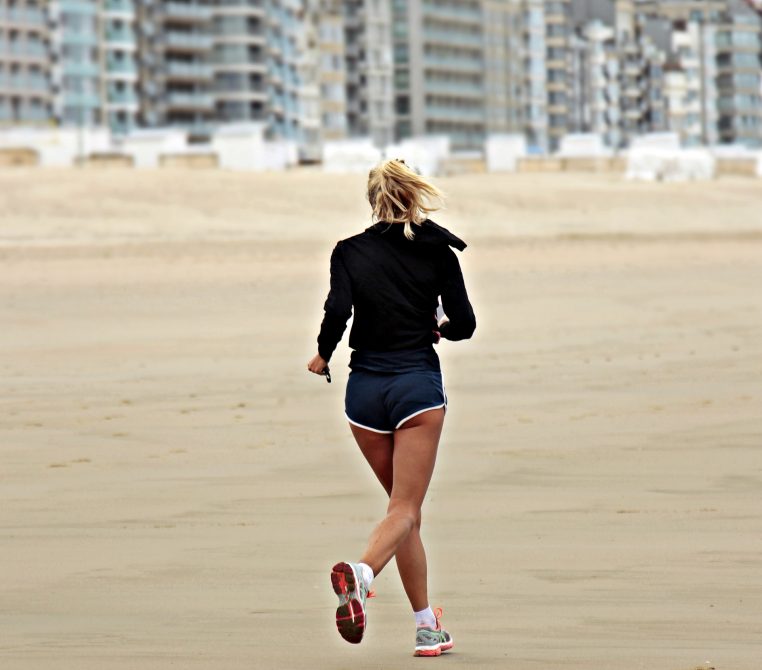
(338,306)
(461,322)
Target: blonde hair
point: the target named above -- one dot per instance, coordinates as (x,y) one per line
(398,194)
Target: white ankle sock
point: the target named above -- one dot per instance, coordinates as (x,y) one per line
(425,618)
(367,574)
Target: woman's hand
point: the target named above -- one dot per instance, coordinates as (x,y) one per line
(317,365)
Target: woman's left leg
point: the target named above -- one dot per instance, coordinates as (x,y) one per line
(378,449)
(413,458)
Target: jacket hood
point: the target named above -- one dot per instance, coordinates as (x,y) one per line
(427,233)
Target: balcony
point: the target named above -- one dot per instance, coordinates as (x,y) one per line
(452,113)
(87,39)
(122,99)
(26,18)
(122,69)
(453,63)
(179,70)
(186,12)
(466,14)
(81,68)
(190,100)
(24,84)
(73,99)
(120,37)
(458,89)
(187,41)
(26,50)
(240,8)
(77,7)
(453,37)
(122,8)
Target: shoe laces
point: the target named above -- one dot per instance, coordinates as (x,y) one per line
(438,615)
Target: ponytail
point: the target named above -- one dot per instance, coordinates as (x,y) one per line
(397,194)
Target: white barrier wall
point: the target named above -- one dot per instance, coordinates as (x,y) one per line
(357,155)
(240,146)
(503,151)
(146,146)
(57,147)
(423,153)
(583,145)
(281,154)
(658,157)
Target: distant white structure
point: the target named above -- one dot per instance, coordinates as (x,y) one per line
(147,146)
(350,156)
(424,153)
(503,151)
(57,147)
(242,147)
(659,157)
(583,145)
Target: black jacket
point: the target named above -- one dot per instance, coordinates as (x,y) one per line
(393,284)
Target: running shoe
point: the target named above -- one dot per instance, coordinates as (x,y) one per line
(350,588)
(432,641)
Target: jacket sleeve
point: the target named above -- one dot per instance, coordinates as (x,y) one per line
(461,320)
(338,306)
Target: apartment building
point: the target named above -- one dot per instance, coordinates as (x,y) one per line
(369,69)
(558,37)
(176,47)
(738,44)
(439,70)
(25,63)
(597,89)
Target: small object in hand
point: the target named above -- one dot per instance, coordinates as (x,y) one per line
(327,373)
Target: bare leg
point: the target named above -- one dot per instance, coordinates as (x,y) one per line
(413,457)
(378,450)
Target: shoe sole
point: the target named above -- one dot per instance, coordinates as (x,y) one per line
(350,614)
(436,651)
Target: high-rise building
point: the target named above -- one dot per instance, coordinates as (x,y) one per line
(25,63)
(596,94)
(439,70)
(369,69)
(738,44)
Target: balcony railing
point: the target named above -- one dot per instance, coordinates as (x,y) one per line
(194,100)
(72,99)
(122,67)
(122,98)
(187,12)
(81,69)
(120,36)
(25,49)
(188,41)
(28,16)
(189,70)
(120,7)
(77,7)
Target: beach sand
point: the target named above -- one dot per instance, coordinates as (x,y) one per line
(175,486)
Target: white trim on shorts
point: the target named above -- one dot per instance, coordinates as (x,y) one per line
(374,430)
(420,411)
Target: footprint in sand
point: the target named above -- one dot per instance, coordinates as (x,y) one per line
(58,465)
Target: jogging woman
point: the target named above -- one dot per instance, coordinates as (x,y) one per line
(393,275)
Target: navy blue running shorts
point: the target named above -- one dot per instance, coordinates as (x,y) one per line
(383,401)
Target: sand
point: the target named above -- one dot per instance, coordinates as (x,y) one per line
(175,486)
